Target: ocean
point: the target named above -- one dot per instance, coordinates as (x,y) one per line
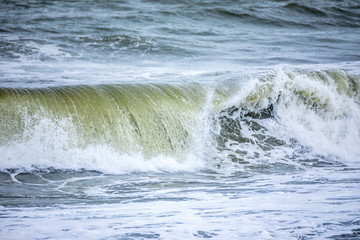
(185,119)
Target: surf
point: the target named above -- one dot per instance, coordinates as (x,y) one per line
(103,127)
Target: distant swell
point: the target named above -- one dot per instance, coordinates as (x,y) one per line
(305,9)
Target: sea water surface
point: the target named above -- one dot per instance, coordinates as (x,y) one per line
(180,119)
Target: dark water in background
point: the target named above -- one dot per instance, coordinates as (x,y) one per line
(179,119)
(90,41)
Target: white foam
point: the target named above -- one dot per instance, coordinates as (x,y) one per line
(102,158)
(54,144)
(336,131)
(263,208)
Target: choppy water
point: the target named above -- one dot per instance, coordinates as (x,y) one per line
(180,120)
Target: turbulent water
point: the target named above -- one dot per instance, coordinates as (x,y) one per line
(180,119)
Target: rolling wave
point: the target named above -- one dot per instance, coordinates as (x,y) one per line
(280,115)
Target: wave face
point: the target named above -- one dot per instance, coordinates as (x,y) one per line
(150,119)
(281,116)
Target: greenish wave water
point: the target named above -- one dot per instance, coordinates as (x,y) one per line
(151,118)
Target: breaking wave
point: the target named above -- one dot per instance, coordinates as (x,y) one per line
(295,115)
